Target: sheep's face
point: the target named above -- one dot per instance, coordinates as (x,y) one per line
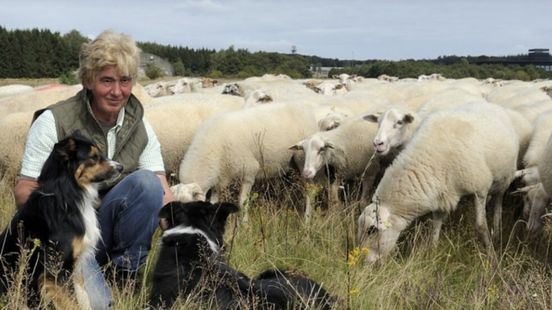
(539,200)
(232,89)
(188,192)
(376,232)
(392,127)
(316,154)
(331,121)
(183,85)
(157,89)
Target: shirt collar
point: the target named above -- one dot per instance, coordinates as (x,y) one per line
(120,117)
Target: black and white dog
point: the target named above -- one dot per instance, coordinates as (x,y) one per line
(57,226)
(190,264)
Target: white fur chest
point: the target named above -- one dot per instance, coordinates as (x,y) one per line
(88,212)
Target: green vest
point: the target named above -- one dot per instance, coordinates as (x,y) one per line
(132,138)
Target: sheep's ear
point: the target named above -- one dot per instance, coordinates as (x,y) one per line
(298,146)
(374,117)
(408,118)
(329,145)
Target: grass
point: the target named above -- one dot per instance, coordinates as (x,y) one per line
(453,275)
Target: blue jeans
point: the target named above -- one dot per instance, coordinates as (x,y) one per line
(128,219)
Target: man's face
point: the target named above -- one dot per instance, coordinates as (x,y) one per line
(111,91)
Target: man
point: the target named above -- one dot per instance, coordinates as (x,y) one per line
(107,112)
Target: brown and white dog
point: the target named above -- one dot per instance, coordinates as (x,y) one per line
(57,226)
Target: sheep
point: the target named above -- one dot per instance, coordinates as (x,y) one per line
(244,145)
(532,110)
(395,128)
(333,119)
(158,89)
(280,89)
(387,78)
(433,76)
(330,88)
(540,193)
(39,98)
(345,151)
(468,151)
(13,134)
(175,120)
(545,167)
(185,85)
(256,97)
(14,89)
(208,82)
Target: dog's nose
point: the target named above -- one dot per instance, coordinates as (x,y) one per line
(117,166)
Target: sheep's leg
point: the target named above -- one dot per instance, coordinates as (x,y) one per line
(243,199)
(333,199)
(214,195)
(481,222)
(438,219)
(540,201)
(368,181)
(496,203)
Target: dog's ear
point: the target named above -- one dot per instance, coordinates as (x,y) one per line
(66,147)
(224,209)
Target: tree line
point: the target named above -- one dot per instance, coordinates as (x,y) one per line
(41,53)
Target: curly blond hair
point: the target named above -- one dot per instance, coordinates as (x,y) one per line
(108,49)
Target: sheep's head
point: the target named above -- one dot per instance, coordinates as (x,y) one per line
(376,231)
(332,120)
(232,89)
(187,192)
(317,151)
(392,129)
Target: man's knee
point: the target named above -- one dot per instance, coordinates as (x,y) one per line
(145,180)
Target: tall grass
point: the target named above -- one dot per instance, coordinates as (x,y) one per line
(456,274)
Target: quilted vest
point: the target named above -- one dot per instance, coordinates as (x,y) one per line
(73,113)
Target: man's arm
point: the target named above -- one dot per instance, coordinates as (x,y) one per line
(23,190)
(167,195)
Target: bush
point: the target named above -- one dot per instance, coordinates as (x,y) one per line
(153,72)
(68,78)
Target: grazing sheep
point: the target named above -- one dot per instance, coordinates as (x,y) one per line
(468,151)
(542,195)
(345,151)
(545,167)
(244,145)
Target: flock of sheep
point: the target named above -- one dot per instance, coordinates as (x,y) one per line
(416,146)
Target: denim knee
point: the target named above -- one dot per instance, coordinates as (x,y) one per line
(128,219)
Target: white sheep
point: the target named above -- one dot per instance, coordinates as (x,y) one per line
(344,152)
(542,194)
(175,120)
(158,89)
(468,151)
(256,97)
(244,145)
(13,134)
(40,97)
(14,89)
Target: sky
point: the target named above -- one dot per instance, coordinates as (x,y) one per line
(346,29)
